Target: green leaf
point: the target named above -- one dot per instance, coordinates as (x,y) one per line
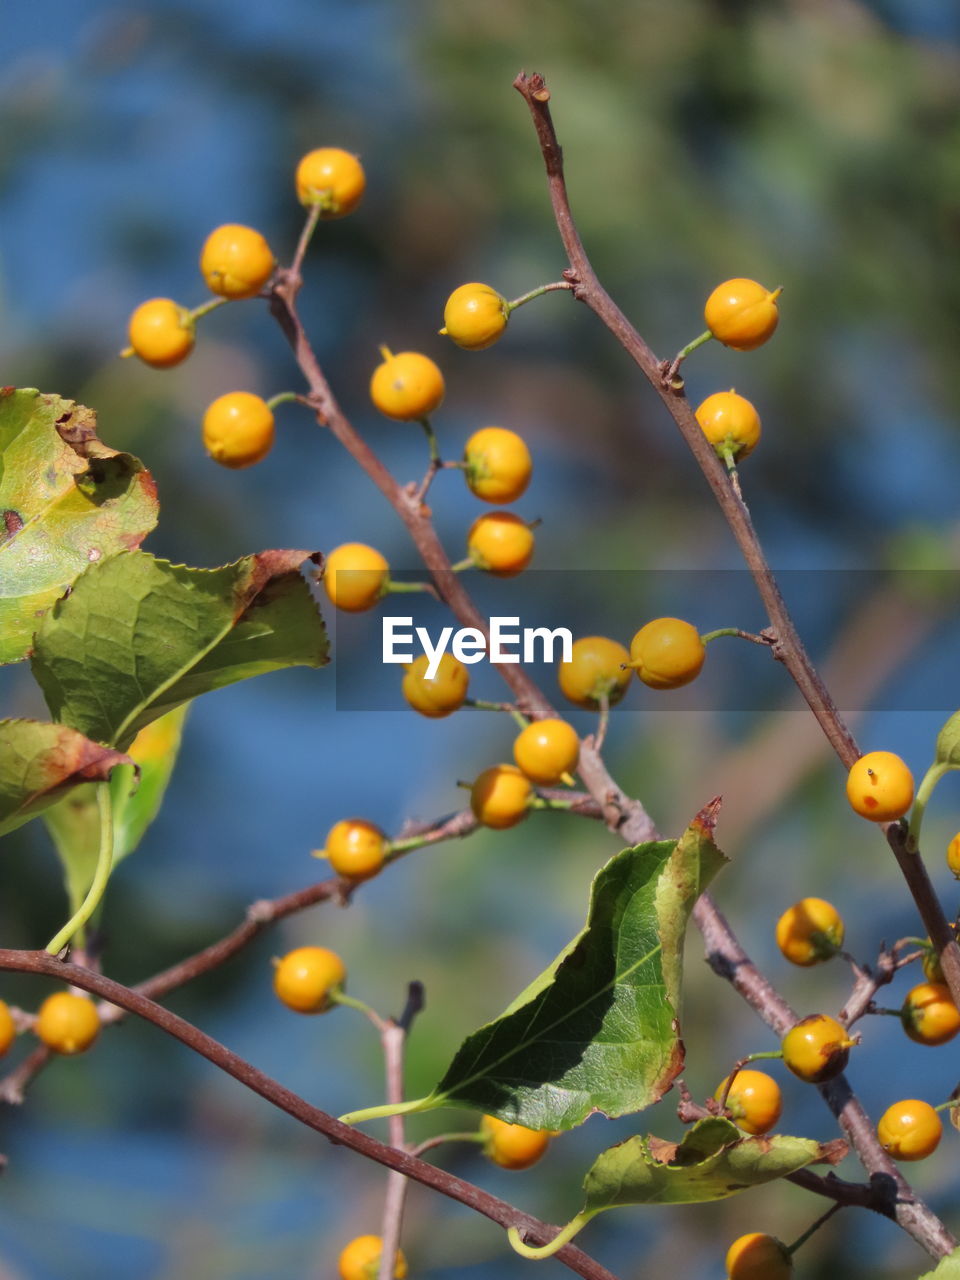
(947,1269)
(40,762)
(598,1030)
(66,501)
(948,743)
(74,823)
(137,637)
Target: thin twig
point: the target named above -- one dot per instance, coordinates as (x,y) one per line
(393,1039)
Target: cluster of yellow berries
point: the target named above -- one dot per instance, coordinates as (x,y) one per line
(66,1023)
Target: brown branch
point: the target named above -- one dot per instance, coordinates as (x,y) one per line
(393,1039)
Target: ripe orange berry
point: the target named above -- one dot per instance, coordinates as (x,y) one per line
(929,1015)
(161,332)
(500,543)
(238,429)
(953,855)
(730,423)
(742,314)
(810,931)
(331,178)
(355,848)
(442,695)
(360,1260)
(910,1130)
(236,261)
(758,1257)
(597,666)
(546,750)
(880,786)
(305,976)
(754,1100)
(355,577)
(501,796)
(513,1146)
(667,653)
(67,1023)
(8,1028)
(817,1048)
(406,386)
(475,316)
(498,464)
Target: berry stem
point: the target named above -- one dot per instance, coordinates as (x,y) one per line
(393,587)
(306,235)
(467,563)
(564,1235)
(536,293)
(480,704)
(924,792)
(284,397)
(734,631)
(435,460)
(206,307)
(338,996)
(439,1139)
(100,877)
(802,1239)
(603,722)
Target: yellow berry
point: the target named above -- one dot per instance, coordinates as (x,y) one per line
(238,430)
(667,653)
(513,1146)
(355,848)
(236,261)
(880,786)
(360,1260)
(953,855)
(67,1023)
(810,931)
(754,1101)
(161,332)
(441,695)
(8,1028)
(597,666)
(406,386)
(305,976)
(730,423)
(910,1130)
(498,464)
(500,543)
(333,179)
(929,1015)
(817,1048)
(547,750)
(758,1257)
(742,314)
(475,316)
(500,797)
(355,577)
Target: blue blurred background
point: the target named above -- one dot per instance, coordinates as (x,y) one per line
(811,145)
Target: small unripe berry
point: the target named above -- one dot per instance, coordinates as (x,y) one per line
(305,976)
(475,316)
(8,1028)
(360,1260)
(742,314)
(817,1048)
(754,1101)
(758,1257)
(929,1015)
(597,666)
(667,653)
(355,848)
(355,577)
(513,1146)
(880,786)
(406,386)
(331,178)
(501,543)
(810,931)
(932,970)
(67,1023)
(498,464)
(161,332)
(730,423)
(238,430)
(501,796)
(547,750)
(443,694)
(236,261)
(910,1130)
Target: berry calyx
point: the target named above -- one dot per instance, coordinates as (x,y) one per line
(500,543)
(355,577)
(730,423)
(236,261)
(406,386)
(475,316)
(8,1028)
(513,1146)
(742,313)
(331,178)
(441,695)
(547,751)
(953,855)
(498,465)
(910,1130)
(758,1257)
(500,797)
(360,1260)
(754,1100)
(880,786)
(238,429)
(161,332)
(597,667)
(810,931)
(67,1023)
(930,963)
(667,653)
(355,848)
(304,978)
(929,1015)
(817,1048)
